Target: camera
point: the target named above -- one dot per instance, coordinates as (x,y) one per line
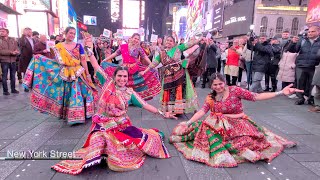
(304,33)
(252,35)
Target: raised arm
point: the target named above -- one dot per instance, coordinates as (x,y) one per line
(113,55)
(136,100)
(286,91)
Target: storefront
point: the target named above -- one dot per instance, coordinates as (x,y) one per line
(39,15)
(8,16)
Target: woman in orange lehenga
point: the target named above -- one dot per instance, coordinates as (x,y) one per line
(227,136)
(112,135)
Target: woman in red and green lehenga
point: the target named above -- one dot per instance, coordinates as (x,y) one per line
(146,85)
(113,137)
(178,95)
(227,136)
(62,86)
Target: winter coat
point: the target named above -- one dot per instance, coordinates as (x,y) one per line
(262,56)
(7,46)
(276,49)
(316,76)
(246,53)
(26,53)
(211,59)
(309,54)
(287,67)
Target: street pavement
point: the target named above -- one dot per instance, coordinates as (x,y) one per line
(22,128)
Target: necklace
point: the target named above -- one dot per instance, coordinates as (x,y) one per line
(219,97)
(66,42)
(121,88)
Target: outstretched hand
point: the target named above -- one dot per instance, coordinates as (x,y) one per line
(288,90)
(169,115)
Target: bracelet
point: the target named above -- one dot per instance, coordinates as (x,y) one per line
(279,93)
(161,113)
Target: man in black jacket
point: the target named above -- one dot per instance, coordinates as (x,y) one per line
(308,58)
(211,61)
(262,56)
(272,67)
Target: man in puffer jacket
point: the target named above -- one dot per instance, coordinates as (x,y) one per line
(308,58)
(262,56)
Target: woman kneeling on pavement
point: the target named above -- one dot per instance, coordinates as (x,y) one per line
(112,136)
(227,136)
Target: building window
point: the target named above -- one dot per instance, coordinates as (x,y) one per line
(295,26)
(279,26)
(264,26)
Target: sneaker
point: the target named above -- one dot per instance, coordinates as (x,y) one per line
(6,93)
(26,90)
(310,101)
(14,91)
(20,81)
(293,96)
(299,102)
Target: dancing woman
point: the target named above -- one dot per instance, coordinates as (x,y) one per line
(147,85)
(112,135)
(62,86)
(178,95)
(227,136)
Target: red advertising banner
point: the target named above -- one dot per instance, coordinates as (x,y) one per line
(313,14)
(82,26)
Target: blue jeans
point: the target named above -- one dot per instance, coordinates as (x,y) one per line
(5,66)
(256,82)
(249,71)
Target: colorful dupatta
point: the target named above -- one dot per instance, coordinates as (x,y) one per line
(112,137)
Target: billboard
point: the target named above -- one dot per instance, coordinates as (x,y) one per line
(131,14)
(217,21)
(115,10)
(72,19)
(179,23)
(238,17)
(195,18)
(313,14)
(90,20)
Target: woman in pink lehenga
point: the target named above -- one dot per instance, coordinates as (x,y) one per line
(227,136)
(146,85)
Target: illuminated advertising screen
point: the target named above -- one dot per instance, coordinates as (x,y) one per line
(209,19)
(179,24)
(115,10)
(313,14)
(217,20)
(90,20)
(238,17)
(131,13)
(194,17)
(72,19)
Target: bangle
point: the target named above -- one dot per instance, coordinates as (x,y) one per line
(160,112)
(279,93)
